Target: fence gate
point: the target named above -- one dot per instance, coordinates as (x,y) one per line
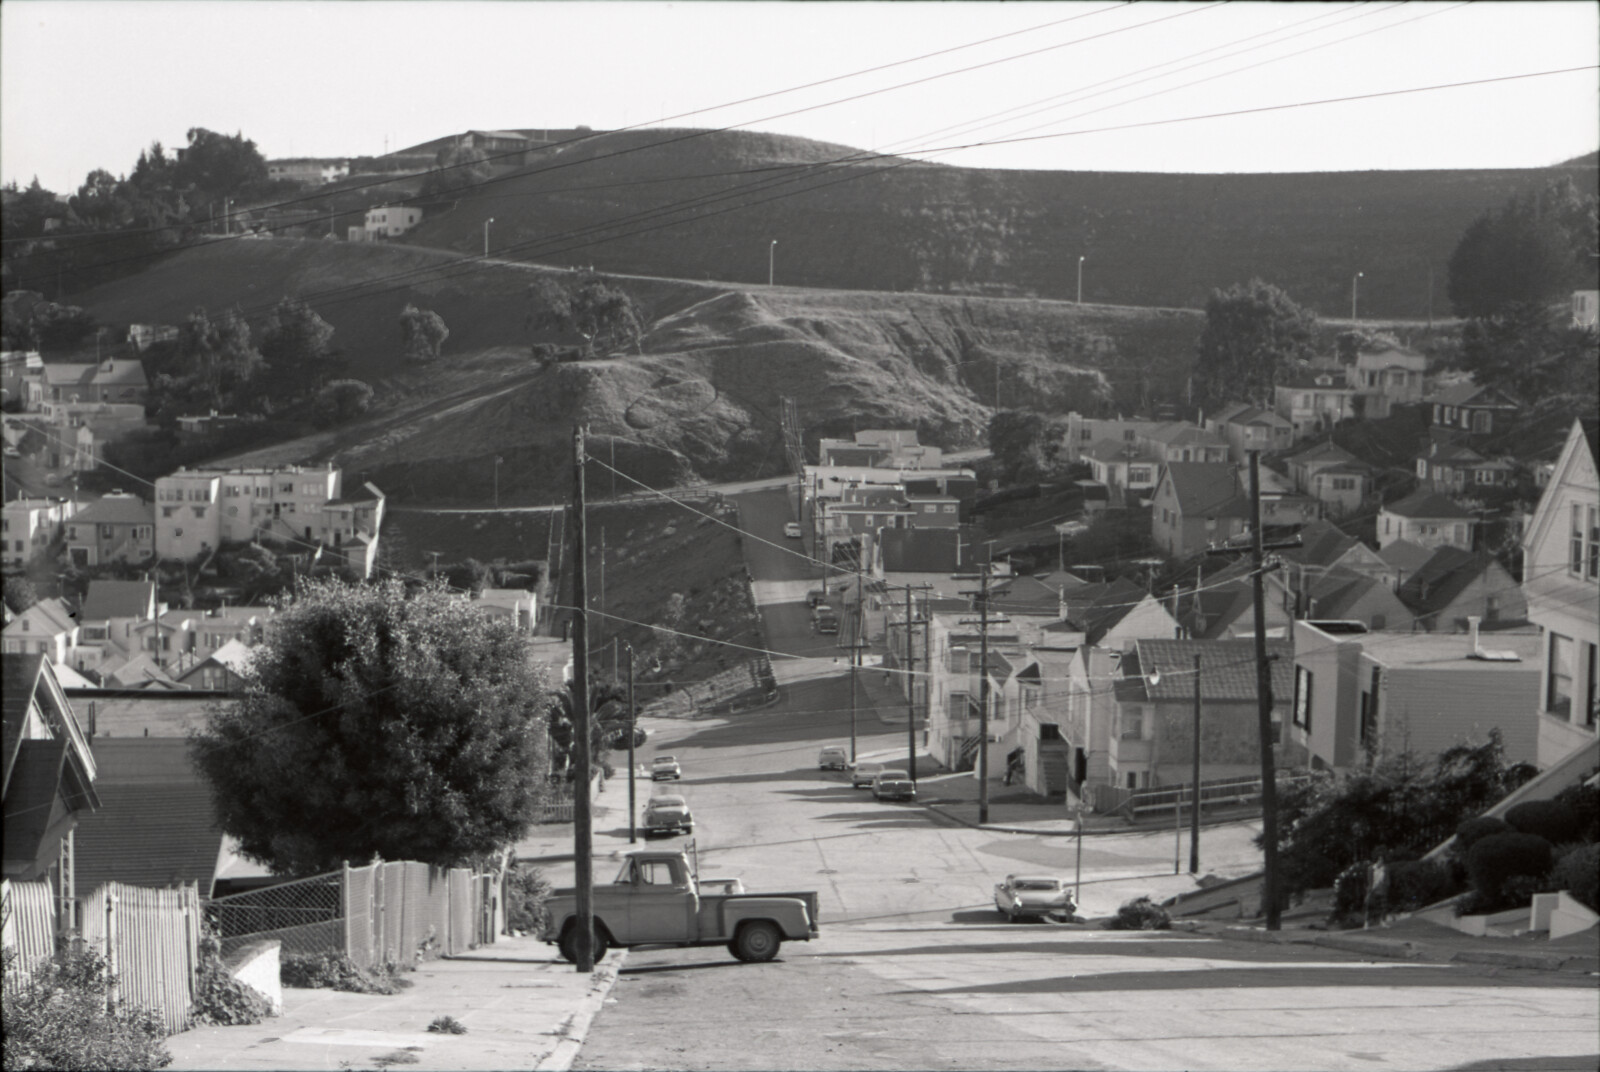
(151,942)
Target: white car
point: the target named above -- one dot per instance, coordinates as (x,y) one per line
(665,768)
(1022,897)
(863,774)
(792,530)
(667,815)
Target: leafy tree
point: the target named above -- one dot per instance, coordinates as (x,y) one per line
(27,209)
(219,165)
(608,714)
(1528,252)
(294,342)
(455,168)
(341,401)
(19,594)
(1252,331)
(217,360)
(600,314)
(378,722)
(1535,355)
(1027,446)
(422,334)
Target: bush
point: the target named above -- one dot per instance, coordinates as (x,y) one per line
(336,971)
(1350,892)
(1415,884)
(1498,858)
(1578,872)
(526,892)
(1476,829)
(1554,820)
(1584,798)
(219,998)
(447,1025)
(1140,914)
(57,1018)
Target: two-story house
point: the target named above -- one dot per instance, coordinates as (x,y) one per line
(1427,519)
(29,526)
(1467,409)
(1454,586)
(111,609)
(1333,476)
(1456,467)
(1313,400)
(1248,428)
(1198,504)
(118,527)
(112,380)
(391,221)
(1561,581)
(47,628)
(178,640)
(1385,376)
(1127,469)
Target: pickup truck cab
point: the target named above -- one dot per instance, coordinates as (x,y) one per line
(656,899)
(665,769)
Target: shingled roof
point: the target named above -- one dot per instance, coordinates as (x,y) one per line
(1428,504)
(1227,669)
(156,826)
(1206,489)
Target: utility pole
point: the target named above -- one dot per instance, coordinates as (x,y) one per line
(1269,789)
(1194,819)
(911,685)
(582,834)
(855,662)
(633,731)
(983,694)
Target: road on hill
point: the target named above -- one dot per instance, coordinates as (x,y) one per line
(915,969)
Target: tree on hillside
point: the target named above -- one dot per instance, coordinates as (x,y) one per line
(1532,250)
(219,165)
(599,313)
(378,722)
(30,322)
(1536,355)
(422,334)
(1027,446)
(341,401)
(455,168)
(1252,331)
(294,343)
(217,360)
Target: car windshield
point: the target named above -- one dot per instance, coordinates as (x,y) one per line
(869,768)
(666,802)
(894,775)
(665,761)
(1039,884)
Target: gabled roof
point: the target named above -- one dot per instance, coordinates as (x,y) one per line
(1307,380)
(1204,488)
(117,599)
(1217,608)
(51,612)
(1429,504)
(1405,556)
(1031,595)
(1576,465)
(1441,579)
(1450,452)
(120,373)
(1338,592)
(156,826)
(1470,394)
(1244,413)
(117,510)
(1227,669)
(1326,451)
(1322,543)
(1179,433)
(137,672)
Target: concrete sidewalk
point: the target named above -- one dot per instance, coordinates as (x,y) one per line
(524,1008)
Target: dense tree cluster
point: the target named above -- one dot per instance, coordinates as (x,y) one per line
(422,334)
(589,306)
(1253,332)
(1028,446)
(455,168)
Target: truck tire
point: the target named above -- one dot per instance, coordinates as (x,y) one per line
(756,941)
(568,942)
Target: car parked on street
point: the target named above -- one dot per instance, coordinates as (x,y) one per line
(893,785)
(862,775)
(816,597)
(665,768)
(667,815)
(1023,897)
(792,530)
(833,757)
(826,620)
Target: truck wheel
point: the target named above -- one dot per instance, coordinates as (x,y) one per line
(757,941)
(568,942)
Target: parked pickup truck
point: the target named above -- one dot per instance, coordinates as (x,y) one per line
(657,900)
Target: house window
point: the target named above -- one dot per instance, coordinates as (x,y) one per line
(168,511)
(1480,422)
(1302,697)
(1344,483)
(1591,713)
(1133,725)
(950,508)
(1138,474)
(199,512)
(1558,694)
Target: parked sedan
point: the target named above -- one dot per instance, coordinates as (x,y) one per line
(792,530)
(893,785)
(864,773)
(667,815)
(665,768)
(1022,897)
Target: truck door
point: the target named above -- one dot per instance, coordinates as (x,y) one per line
(662,907)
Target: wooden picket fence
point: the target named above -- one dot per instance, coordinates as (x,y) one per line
(29,913)
(151,941)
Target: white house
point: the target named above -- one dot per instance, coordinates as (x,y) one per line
(1426,518)
(388,221)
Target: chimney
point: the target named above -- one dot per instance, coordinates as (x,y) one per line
(1472,632)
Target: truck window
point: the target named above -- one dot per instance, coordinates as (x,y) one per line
(655,872)
(625,876)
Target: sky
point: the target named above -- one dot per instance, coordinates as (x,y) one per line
(1090,85)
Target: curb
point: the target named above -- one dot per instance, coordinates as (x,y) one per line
(1536,961)
(1400,949)
(575,1029)
(940,805)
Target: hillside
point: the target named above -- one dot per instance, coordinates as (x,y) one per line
(1162,240)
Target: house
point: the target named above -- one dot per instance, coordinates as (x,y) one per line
(1324,547)
(1333,476)
(1448,466)
(390,221)
(882,448)
(1181,441)
(1561,582)
(1344,595)
(1197,504)
(924,550)
(49,779)
(1083,718)
(118,527)
(1050,762)
(224,670)
(29,526)
(46,628)
(1585,309)
(119,380)
(1084,432)
(309,171)
(179,640)
(955,675)
(516,606)
(120,712)
(1384,376)
(1041,595)
(1313,400)
(110,611)
(1153,741)
(1467,409)
(1247,428)
(1128,470)
(1359,695)
(1227,611)
(1403,558)
(1454,586)
(931,511)
(1426,518)
(1110,614)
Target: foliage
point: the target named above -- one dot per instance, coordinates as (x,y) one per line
(219,998)
(1584,798)
(527,890)
(1498,858)
(1415,884)
(604,698)
(294,342)
(32,323)
(336,971)
(1530,251)
(341,401)
(217,165)
(212,367)
(1536,355)
(379,722)
(1252,332)
(19,594)
(1474,830)
(57,1018)
(422,334)
(455,168)
(1400,808)
(591,307)
(1028,446)
(1350,889)
(447,1025)
(1140,914)
(1578,872)
(1554,820)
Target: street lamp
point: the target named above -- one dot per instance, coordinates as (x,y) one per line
(486,224)
(772,252)
(1080,280)
(1355,279)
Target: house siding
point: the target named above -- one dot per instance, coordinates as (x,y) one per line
(1428,711)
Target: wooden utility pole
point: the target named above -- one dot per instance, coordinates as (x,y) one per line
(855,661)
(983,695)
(633,731)
(1269,788)
(1194,801)
(582,834)
(911,688)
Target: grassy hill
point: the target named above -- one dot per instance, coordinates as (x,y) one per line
(1161,240)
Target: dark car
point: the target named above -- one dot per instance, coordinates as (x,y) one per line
(893,785)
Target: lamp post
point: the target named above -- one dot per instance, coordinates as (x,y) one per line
(486,224)
(772,253)
(1080,280)
(1354,280)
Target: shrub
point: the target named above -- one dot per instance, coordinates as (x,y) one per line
(1415,884)
(1350,891)
(336,971)
(1476,829)
(1584,798)
(219,998)
(57,1018)
(1578,872)
(1140,914)
(526,892)
(447,1025)
(1554,820)
(1498,858)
